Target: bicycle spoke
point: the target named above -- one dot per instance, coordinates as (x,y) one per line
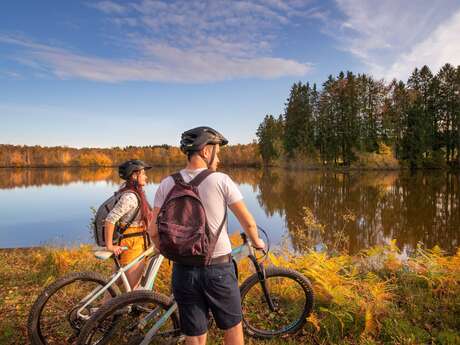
(133,321)
(288,298)
(59,322)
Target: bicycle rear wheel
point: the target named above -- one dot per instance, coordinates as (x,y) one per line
(292,297)
(128,318)
(53,318)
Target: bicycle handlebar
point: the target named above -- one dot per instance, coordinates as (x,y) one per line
(266,250)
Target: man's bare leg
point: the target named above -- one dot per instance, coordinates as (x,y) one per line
(134,274)
(234,335)
(196,340)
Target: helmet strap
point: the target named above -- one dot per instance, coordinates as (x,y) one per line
(204,158)
(213,156)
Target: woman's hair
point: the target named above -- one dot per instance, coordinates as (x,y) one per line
(145,208)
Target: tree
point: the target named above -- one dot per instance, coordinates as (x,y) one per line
(269,134)
(299,121)
(448,107)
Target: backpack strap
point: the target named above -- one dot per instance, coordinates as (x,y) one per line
(122,229)
(214,239)
(177,177)
(200,177)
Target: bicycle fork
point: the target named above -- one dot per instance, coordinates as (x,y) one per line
(152,332)
(261,276)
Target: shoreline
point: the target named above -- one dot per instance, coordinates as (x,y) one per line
(249,166)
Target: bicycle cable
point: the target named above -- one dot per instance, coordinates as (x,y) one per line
(268,243)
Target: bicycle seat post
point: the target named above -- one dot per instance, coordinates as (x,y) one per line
(117,262)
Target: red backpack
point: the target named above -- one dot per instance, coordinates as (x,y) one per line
(184,233)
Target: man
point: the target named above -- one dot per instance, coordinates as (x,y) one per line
(198,289)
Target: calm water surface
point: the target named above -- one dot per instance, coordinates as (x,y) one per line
(302,209)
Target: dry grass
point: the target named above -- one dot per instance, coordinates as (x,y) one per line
(377,297)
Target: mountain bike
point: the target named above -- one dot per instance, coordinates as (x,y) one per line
(60,311)
(275,301)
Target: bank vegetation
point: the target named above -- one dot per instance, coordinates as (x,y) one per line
(379,296)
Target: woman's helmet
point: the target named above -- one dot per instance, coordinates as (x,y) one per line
(196,139)
(126,169)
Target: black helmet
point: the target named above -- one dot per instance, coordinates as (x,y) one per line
(197,138)
(126,169)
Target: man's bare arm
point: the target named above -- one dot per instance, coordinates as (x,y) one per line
(248,223)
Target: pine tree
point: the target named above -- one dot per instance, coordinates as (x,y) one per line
(327,140)
(448,106)
(395,115)
(269,134)
(299,122)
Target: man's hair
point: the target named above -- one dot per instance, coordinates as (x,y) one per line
(190,154)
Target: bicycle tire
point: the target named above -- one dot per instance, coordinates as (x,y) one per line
(123,305)
(35,325)
(258,320)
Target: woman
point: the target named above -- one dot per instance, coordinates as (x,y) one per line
(132,211)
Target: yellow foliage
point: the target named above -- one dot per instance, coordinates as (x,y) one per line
(94,159)
(385,149)
(369,323)
(313,319)
(273,259)
(383,159)
(66,259)
(392,262)
(349,297)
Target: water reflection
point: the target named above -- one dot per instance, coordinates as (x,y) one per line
(35,177)
(28,177)
(347,211)
(357,210)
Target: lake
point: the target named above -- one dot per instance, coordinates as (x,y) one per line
(301,210)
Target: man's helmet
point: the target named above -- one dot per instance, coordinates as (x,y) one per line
(197,138)
(126,169)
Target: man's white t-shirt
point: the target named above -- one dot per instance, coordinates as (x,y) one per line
(217,191)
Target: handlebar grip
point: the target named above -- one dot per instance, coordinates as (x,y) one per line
(261,249)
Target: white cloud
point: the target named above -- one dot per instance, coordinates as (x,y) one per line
(163,63)
(108,7)
(10,75)
(181,41)
(442,46)
(382,34)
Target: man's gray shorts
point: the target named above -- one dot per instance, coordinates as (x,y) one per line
(200,289)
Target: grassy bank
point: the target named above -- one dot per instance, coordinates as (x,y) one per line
(376,297)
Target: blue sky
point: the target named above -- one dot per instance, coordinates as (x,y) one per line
(117,73)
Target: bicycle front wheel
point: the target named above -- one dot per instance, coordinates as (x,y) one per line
(53,318)
(129,317)
(292,300)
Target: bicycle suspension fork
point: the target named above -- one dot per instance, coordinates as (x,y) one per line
(263,283)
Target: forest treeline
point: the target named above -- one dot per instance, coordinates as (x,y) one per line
(353,120)
(161,155)
(357,120)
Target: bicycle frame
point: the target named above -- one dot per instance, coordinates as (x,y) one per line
(238,253)
(147,283)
